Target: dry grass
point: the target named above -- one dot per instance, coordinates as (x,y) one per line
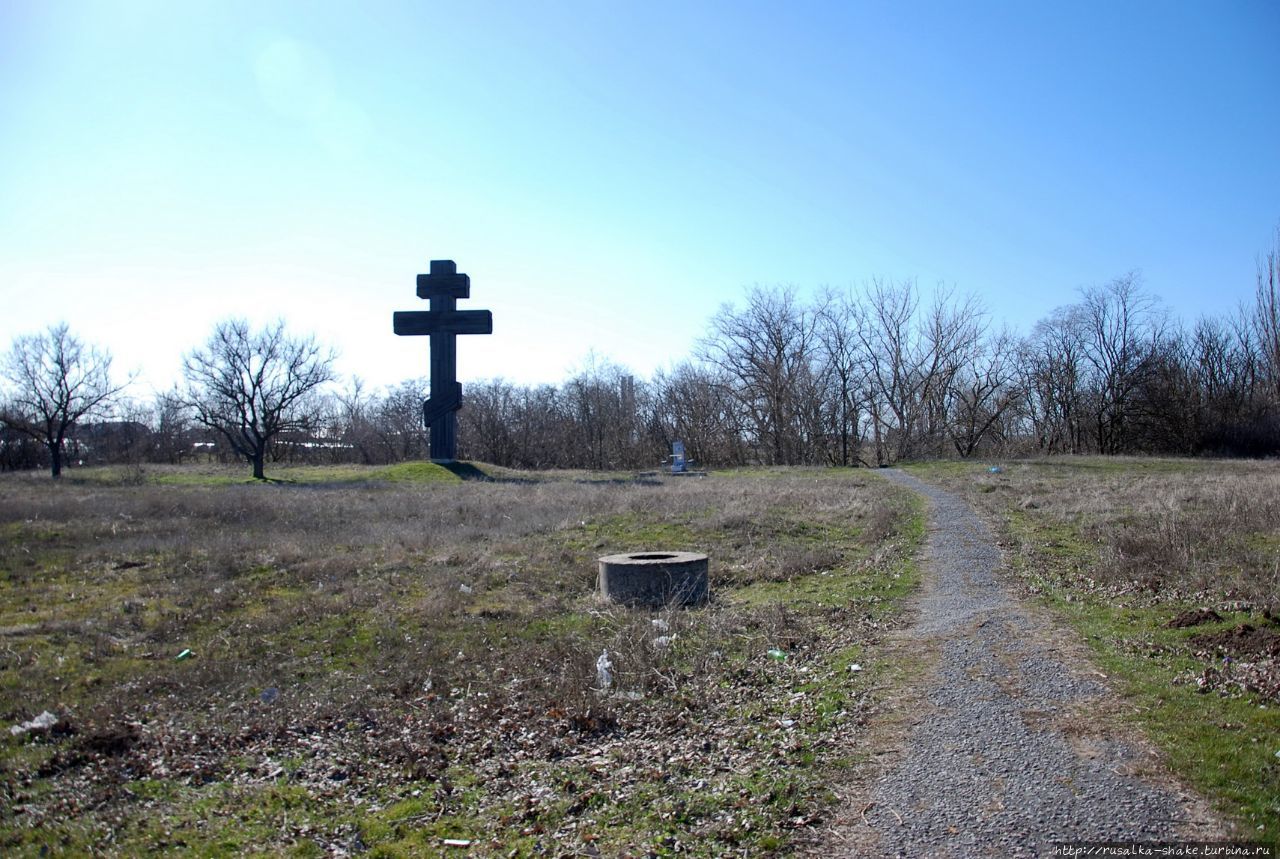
(1165,530)
(379,664)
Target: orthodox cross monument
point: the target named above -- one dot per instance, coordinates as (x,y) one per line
(442,323)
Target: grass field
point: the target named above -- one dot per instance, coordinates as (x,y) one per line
(1170,570)
(390,660)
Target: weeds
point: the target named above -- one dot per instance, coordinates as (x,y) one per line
(380,664)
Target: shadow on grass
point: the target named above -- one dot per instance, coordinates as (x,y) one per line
(468,471)
(496,474)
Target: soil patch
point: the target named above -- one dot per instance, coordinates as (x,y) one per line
(1194,617)
(115,740)
(1243,640)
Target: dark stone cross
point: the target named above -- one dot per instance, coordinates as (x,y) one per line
(443,322)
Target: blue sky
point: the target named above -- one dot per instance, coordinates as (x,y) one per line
(610,173)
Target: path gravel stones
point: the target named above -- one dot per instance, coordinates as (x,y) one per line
(1004,760)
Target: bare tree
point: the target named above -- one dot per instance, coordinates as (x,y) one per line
(694,405)
(250,387)
(397,422)
(913,359)
(1169,406)
(843,372)
(1122,324)
(766,351)
(885,331)
(172,433)
(55,382)
(1266,318)
(984,393)
(1052,369)
(351,415)
(604,425)
(489,424)
(950,340)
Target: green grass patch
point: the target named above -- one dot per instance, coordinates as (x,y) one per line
(1226,746)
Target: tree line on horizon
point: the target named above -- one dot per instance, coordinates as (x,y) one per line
(860,377)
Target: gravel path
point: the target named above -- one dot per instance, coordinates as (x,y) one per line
(1005,759)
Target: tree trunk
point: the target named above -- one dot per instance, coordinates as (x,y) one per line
(258,471)
(55,458)
(844,426)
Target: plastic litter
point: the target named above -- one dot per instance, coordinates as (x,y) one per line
(185,654)
(855,667)
(776,654)
(663,641)
(604,671)
(660,624)
(43,722)
(995,469)
(457,842)
(466,589)
(269,695)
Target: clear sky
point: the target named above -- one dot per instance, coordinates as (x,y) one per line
(609,173)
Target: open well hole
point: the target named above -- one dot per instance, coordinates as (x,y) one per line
(652,556)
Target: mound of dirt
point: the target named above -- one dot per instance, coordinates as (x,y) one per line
(1243,640)
(114,740)
(1194,617)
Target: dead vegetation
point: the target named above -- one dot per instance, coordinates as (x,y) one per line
(373,666)
(1165,531)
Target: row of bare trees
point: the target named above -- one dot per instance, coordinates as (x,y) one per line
(883,373)
(865,376)
(1115,374)
(249,391)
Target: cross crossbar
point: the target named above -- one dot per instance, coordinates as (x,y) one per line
(411,322)
(444,286)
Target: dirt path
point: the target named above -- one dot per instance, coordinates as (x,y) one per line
(1009,747)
